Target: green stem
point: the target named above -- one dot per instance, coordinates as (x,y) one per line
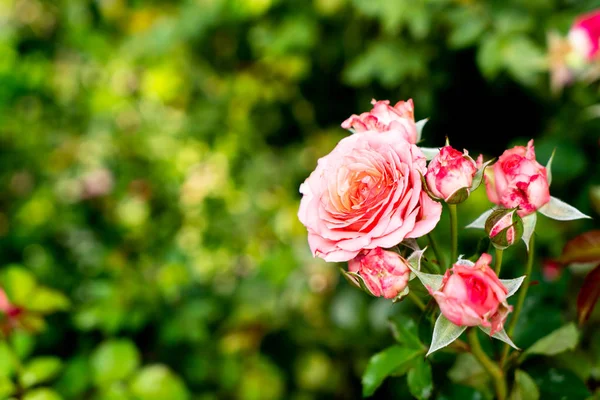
(498,264)
(491,367)
(453,234)
(435,249)
(418,302)
(521,298)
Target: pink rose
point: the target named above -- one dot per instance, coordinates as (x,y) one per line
(518,180)
(383,118)
(473,295)
(365,194)
(584,35)
(504,227)
(385,273)
(450,171)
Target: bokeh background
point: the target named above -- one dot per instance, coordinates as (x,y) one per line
(150,159)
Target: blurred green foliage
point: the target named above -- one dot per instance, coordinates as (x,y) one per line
(150,158)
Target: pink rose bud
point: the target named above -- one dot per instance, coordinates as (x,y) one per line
(584,35)
(384,272)
(518,180)
(473,296)
(450,175)
(383,118)
(504,227)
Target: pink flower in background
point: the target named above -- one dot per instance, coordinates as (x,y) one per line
(551,270)
(450,171)
(384,272)
(383,118)
(584,35)
(98,182)
(366,193)
(472,295)
(7,308)
(518,180)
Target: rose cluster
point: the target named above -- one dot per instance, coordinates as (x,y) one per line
(376,190)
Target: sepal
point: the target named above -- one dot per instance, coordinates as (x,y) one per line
(561,211)
(444,333)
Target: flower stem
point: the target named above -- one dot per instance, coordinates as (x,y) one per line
(453,234)
(498,264)
(491,367)
(520,299)
(415,299)
(435,249)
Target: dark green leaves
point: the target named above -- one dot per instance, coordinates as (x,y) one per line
(524,387)
(385,363)
(419,379)
(114,360)
(40,370)
(560,340)
(397,360)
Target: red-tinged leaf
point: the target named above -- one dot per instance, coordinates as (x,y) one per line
(582,248)
(588,295)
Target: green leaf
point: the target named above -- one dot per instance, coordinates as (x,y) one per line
(75,378)
(157,382)
(46,301)
(42,394)
(467,30)
(7,360)
(39,370)
(561,211)
(557,383)
(7,387)
(19,284)
(523,58)
(22,343)
(489,57)
(562,339)
(114,360)
(386,362)
(524,388)
(116,391)
(387,62)
(405,331)
(444,333)
(419,380)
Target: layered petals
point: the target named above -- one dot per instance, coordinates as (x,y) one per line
(366,193)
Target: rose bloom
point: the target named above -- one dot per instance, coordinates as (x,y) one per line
(385,273)
(518,180)
(584,35)
(383,118)
(449,171)
(366,193)
(473,296)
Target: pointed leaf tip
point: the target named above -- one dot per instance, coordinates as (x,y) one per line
(561,211)
(549,167)
(500,335)
(512,285)
(444,333)
(479,223)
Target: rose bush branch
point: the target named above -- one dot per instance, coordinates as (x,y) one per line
(375,190)
(491,367)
